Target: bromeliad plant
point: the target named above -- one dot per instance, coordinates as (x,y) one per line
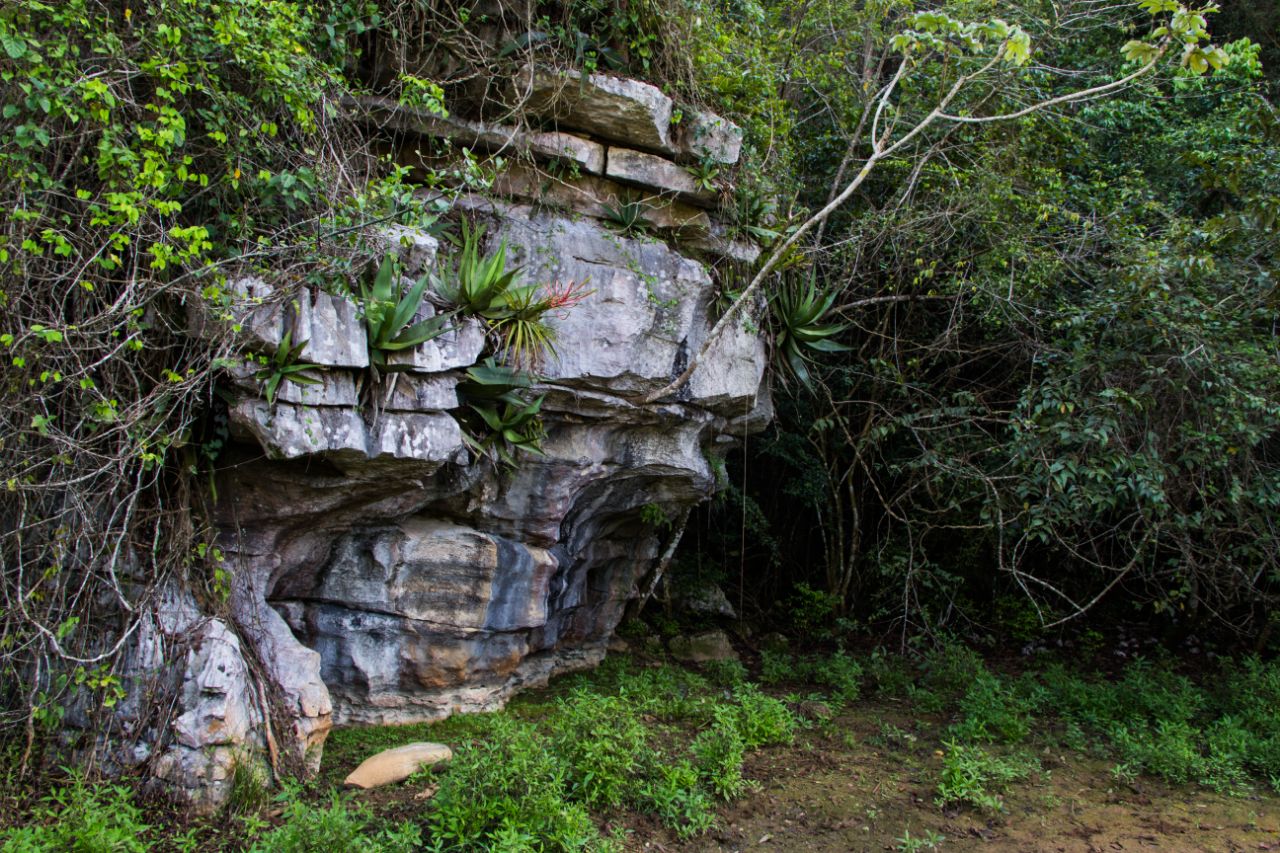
(799,310)
(282,366)
(389,316)
(628,216)
(479,286)
(514,312)
(524,335)
(502,421)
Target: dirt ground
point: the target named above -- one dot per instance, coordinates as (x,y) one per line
(846,786)
(846,789)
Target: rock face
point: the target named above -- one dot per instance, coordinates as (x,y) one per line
(381,571)
(703,648)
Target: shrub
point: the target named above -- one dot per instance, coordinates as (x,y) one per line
(674,795)
(1169,749)
(951,668)
(81,818)
(842,674)
(993,712)
(889,673)
(509,789)
(718,753)
(726,673)
(776,666)
(339,825)
(602,743)
(669,693)
(762,720)
(969,773)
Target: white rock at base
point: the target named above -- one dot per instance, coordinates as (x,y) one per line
(398,764)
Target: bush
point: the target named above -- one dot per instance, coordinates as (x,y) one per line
(1169,749)
(842,674)
(969,773)
(993,712)
(777,666)
(667,692)
(718,754)
(506,791)
(674,795)
(762,720)
(726,673)
(81,818)
(340,825)
(602,743)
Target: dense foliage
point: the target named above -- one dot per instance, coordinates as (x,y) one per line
(1056,372)
(152,152)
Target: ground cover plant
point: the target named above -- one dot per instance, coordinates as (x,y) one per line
(642,750)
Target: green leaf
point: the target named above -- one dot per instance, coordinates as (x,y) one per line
(1139,52)
(15,47)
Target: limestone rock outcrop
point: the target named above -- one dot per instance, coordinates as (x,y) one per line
(382,571)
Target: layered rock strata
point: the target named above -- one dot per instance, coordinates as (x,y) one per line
(382,572)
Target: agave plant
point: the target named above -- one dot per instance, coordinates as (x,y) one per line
(514,312)
(799,310)
(489,383)
(476,285)
(706,172)
(284,366)
(507,422)
(629,216)
(751,213)
(389,314)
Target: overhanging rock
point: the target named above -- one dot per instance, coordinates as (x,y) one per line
(381,571)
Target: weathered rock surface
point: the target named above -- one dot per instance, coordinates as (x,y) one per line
(380,571)
(708,599)
(648,170)
(703,648)
(490,138)
(611,108)
(396,765)
(596,196)
(704,135)
(221,718)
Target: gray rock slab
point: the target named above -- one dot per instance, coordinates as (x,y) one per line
(612,108)
(415,248)
(703,648)
(288,431)
(594,197)
(650,170)
(411,392)
(332,388)
(703,135)
(496,139)
(332,328)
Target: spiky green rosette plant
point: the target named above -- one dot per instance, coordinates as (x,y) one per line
(502,421)
(514,313)
(282,366)
(799,310)
(389,314)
